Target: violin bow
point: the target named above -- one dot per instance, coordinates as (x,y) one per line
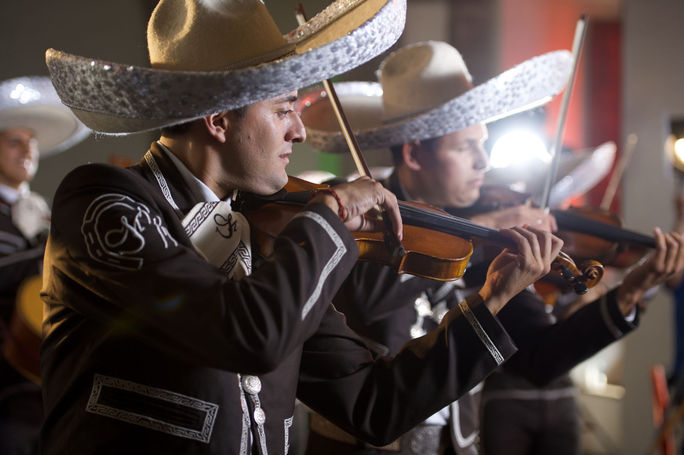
(353,145)
(393,241)
(578,41)
(619,171)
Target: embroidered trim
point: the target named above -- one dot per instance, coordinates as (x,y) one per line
(198,218)
(256,404)
(605,315)
(138,394)
(332,262)
(241,254)
(121,245)
(244,438)
(461,441)
(287,423)
(479,330)
(161,180)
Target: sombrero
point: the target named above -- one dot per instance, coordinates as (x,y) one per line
(31,102)
(425,91)
(213,55)
(577,173)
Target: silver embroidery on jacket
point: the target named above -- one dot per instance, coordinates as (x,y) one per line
(480,331)
(244,438)
(332,262)
(98,404)
(250,386)
(161,181)
(287,424)
(115,227)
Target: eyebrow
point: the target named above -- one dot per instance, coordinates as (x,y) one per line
(286,99)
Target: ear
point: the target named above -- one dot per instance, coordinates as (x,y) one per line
(410,153)
(217,125)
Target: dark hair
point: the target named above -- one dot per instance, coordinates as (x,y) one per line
(182,128)
(177,129)
(397,156)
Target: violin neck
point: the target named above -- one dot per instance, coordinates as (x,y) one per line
(450,224)
(577,223)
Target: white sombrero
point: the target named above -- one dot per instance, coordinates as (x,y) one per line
(212,55)
(425,91)
(577,173)
(31,102)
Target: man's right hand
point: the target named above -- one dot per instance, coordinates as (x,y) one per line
(516,268)
(360,199)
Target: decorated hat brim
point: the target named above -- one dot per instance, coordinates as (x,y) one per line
(54,127)
(31,102)
(529,84)
(118,99)
(577,173)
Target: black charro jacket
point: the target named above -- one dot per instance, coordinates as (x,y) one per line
(150,349)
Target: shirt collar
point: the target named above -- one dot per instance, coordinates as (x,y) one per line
(199,190)
(11,195)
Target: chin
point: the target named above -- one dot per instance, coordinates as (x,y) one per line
(270,186)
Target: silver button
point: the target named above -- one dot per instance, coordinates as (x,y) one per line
(259,416)
(251,384)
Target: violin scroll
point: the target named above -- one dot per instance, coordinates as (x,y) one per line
(581,280)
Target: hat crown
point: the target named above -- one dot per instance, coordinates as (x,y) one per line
(422,76)
(205,35)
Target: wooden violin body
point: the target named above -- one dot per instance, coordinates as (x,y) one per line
(428,253)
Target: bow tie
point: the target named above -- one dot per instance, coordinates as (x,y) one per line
(221,236)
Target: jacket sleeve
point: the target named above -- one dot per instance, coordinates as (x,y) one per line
(378,401)
(119,255)
(18,260)
(548,348)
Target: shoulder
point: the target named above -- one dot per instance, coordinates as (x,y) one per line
(97,178)
(96,174)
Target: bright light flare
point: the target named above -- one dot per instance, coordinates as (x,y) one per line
(518,147)
(679,149)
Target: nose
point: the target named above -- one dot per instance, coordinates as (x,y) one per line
(481,159)
(297,131)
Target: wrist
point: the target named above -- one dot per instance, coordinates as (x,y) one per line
(494,303)
(628,298)
(329,197)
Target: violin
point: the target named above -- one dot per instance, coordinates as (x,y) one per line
(587,232)
(436,245)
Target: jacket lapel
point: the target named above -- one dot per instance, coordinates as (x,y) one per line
(158,169)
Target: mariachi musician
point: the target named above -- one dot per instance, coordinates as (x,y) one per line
(434,125)
(33,122)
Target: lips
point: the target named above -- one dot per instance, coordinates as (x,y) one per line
(476,182)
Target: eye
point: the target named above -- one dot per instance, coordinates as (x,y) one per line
(284,113)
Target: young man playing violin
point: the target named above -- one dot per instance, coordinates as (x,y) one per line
(436,136)
(162,335)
